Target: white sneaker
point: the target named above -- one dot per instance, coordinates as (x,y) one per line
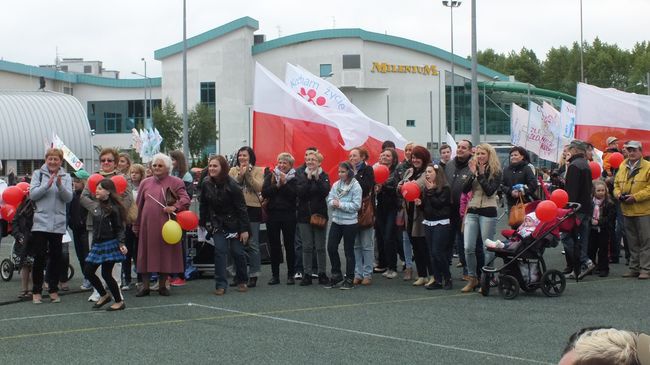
(493,243)
(155,286)
(86,285)
(297,276)
(94,296)
(390,274)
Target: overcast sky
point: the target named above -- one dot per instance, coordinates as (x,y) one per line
(121,32)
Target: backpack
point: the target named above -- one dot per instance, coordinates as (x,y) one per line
(23,221)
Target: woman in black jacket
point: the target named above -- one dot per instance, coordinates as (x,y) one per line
(364,249)
(435,204)
(388,203)
(313,185)
(224,216)
(519,180)
(279,190)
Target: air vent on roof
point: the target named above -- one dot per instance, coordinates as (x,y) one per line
(259,38)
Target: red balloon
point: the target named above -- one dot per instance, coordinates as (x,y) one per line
(546,211)
(595,170)
(187,219)
(120,183)
(615,159)
(381,173)
(13,195)
(560,197)
(23,186)
(8,212)
(93,180)
(411,191)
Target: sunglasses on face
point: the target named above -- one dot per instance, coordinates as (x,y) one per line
(104,160)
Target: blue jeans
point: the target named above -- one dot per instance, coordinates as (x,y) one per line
(253,250)
(222,247)
(348,232)
(439,241)
(364,253)
(474,224)
(408,250)
(575,244)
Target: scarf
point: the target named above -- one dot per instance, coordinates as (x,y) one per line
(315,173)
(342,189)
(290,175)
(598,203)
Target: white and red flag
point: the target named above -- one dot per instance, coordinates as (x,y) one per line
(601,113)
(286,119)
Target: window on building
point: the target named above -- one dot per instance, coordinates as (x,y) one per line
(351,61)
(208,94)
(93,124)
(112,122)
(325,69)
(88,69)
(64,68)
(67,90)
(410,122)
(26,167)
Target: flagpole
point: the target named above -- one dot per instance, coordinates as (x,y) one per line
(186,150)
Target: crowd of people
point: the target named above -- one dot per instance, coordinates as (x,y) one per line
(307,216)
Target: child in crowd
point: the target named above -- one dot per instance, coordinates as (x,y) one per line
(603,223)
(525,229)
(108,242)
(77,222)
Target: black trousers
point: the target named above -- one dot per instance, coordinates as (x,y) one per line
(349,233)
(598,249)
(288,230)
(107,275)
(45,247)
(80,237)
(422,256)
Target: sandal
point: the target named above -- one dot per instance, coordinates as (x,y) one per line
(24,294)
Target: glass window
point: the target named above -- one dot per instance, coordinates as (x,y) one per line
(67,90)
(351,61)
(112,122)
(325,69)
(64,68)
(88,69)
(208,94)
(410,122)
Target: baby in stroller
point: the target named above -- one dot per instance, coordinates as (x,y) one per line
(526,229)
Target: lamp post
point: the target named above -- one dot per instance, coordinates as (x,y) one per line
(186,145)
(144,106)
(92,150)
(451,5)
(582,66)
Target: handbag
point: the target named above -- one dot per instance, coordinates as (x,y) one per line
(318,220)
(366,213)
(132,213)
(517,213)
(264,203)
(400,218)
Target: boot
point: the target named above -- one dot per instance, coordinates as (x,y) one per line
(472,283)
(408,274)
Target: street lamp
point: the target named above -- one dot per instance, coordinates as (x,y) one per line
(146,82)
(451,5)
(92,150)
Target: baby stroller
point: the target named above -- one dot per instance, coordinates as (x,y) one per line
(19,258)
(524,267)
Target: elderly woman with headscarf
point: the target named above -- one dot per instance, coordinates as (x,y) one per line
(159,197)
(50,190)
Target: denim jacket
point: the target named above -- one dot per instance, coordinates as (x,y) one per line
(349,204)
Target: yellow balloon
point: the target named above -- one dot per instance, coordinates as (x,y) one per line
(172,232)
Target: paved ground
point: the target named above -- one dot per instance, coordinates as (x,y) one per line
(388,321)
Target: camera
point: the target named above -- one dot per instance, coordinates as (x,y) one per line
(623,197)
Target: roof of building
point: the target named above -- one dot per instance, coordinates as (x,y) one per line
(75,78)
(30,118)
(373,37)
(207,36)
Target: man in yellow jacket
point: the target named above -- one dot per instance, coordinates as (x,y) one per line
(632,188)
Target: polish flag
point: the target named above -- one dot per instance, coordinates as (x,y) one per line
(284,120)
(601,113)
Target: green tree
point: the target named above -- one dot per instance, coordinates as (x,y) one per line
(496,61)
(202,129)
(169,124)
(525,66)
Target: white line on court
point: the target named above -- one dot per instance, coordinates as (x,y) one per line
(371,334)
(91,312)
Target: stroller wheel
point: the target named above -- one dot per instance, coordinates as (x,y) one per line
(6,269)
(486,277)
(508,287)
(553,283)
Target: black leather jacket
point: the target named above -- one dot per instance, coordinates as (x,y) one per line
(312,195)
(222,206)
(108,223)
